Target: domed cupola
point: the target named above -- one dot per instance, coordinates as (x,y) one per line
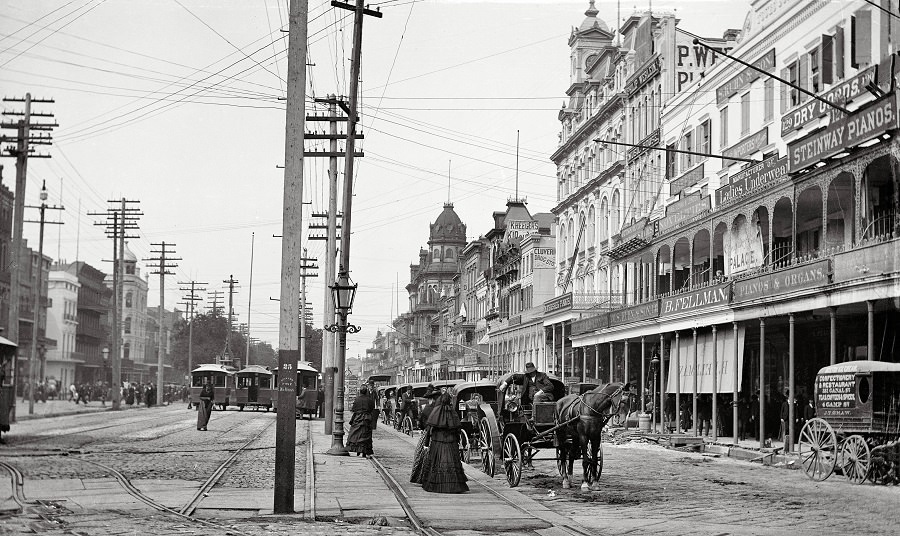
(591,20)
(448,227)
(130,260)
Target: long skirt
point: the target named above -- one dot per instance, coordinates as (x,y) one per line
(443,471)
(417,474)
(359,439)
(203,410)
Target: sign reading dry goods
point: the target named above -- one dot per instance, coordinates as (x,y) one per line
(748,145)
(745,77)
(692,301)
(802,277)
(636,313)
(836,392)
(753,179)
(808,112)
(842,134)
(558,303)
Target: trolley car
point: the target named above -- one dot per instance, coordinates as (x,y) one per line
(222,378)
(307,383)
(857,428)
(253,387)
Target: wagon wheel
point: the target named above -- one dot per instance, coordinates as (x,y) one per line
(882,469)
(465,455)
(818,449)
(512,460)
(487,448)
(595,473)
(407,426)
(396,421)
(856,459)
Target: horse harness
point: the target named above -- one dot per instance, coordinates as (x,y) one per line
(616,393)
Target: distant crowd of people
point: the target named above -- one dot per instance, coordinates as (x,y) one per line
(131,393)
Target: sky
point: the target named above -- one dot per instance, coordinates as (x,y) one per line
(179,104)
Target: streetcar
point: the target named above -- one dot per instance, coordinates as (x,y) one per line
(222,378)
(253,387)
(7,400)
(307,384)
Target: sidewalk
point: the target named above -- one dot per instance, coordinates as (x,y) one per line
(57,408)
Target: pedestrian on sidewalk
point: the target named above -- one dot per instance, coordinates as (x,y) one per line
(443,471)
(205,406)
(360,438)
(432,394)
(320,402)
(73,393)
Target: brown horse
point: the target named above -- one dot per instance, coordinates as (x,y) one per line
(581,419)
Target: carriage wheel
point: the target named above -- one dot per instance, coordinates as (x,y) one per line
(407,426)
(599,465)
(512,460)
(882,469)
(485,444)
(818,449)
(465,455)
(856,459)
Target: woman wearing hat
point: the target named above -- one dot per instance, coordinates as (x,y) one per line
(442,470)
(359,439)
(432,395)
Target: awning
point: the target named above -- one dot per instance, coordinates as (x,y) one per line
(724,358)
(6,342)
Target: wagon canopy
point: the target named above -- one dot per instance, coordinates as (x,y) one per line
(860,367)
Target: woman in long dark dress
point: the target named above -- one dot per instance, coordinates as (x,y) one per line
(443,471)
(359,439)
(417,474)
(205,406)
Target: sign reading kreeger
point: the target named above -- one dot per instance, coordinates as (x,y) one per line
(842,134)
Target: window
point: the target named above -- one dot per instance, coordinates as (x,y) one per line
(128,299)
(688,145)
(828,55)
(703,137)
(745,113)
(128,325)
(791,97)
(723,128)
(769,99)
(815,72)
(670,161)
(861,39)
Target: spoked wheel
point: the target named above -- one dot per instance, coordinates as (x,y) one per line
(596,469)
(465,455)
(407,426)
(396,421)
(512,460)
(818,449)
(856,459)
(487,448)
(885,465)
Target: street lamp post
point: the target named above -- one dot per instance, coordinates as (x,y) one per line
(342,292)
(657,408)
(105,353)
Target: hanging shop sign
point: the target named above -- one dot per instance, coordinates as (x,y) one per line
(559,303)
(681,211)
(783,282)
(748,145)
(746,77)
(636,313)
(867,261)
(590,324)
(840,135)
(698,299)
(753,179)
(652,140)
(640,79)
(544,257)
(841,94)
(687,179)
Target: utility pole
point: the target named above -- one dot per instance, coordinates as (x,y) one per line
(292,228)
(191,299)
(231,283)
(249,298)
(22,151)
(305,264)
(343,279)
(215,296)
(118,222)
(37,296)
(163,263)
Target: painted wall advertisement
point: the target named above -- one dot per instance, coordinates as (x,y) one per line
(724,357)
(745,251)
(518,229)
(691,59)
(544,257)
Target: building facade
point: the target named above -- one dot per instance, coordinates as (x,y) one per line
(92,329)
(62,325)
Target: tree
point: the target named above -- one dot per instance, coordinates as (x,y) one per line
(210,332)
(313,347)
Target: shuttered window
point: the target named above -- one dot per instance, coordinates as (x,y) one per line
(745,113)
(839,53)
(861,39)
(769,99)
(804,77)
(828,44)
(723,128)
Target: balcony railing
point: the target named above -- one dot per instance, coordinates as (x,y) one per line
(596,300)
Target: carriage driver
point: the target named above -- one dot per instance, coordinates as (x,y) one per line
(536,386)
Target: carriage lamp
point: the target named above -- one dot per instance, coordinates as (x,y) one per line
(343,293)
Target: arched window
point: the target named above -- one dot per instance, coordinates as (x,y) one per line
(614,214)
(591,228)
(604,220)
(126,350)
(127,325)
(128,299)
(449,253)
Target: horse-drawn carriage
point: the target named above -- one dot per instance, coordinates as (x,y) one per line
(468,398)
(514,433)
(388,396)
(857,427)
(410,400)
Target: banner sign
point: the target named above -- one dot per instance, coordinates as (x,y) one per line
(745,77)
(691,301)
(751,180)
(636,313)
(518,229)
(688,178)
(745,250)
(683,210)
(640,79)
(590,324)
(749,145)
(558,303)
(652,140)
(725,358)
(802,277)
(544,257)
(842,134)
(841,94)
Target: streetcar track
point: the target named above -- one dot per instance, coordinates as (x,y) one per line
(18,485)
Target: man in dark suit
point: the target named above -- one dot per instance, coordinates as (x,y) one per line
(536,386)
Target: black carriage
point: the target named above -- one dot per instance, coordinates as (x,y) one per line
(856,430)
(410,400)
(388,396)
(469,399)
